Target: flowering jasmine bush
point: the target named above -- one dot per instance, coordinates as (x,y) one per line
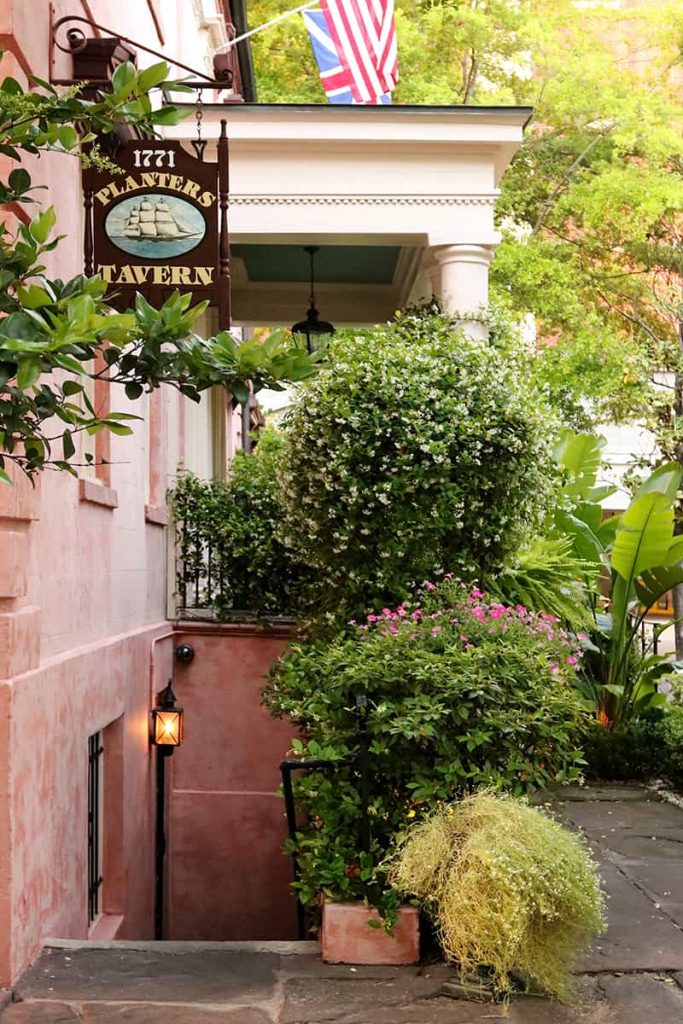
(416,448)
(461,692)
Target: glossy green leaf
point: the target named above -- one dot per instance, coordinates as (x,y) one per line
(656,582)
(19,180)
(666,479)
(580,455)
(28,373)
(124,78)
(41,226)
(153,76)
(644,534)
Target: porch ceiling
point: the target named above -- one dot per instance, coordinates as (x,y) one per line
(354,284)
(334,264)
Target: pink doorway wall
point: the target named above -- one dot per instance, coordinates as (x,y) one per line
(227,877)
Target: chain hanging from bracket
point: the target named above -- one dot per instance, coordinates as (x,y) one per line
(199,144)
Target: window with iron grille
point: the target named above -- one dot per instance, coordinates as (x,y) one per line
(95,781)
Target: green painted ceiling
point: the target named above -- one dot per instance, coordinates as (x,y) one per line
(334,264)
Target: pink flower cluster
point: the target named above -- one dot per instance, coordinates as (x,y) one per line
(475,605)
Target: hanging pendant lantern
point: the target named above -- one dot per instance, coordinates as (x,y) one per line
(313,329)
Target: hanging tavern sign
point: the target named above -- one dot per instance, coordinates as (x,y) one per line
(160,224)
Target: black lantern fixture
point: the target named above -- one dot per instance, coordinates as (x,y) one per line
(167,721)
(313,329)
(166,734)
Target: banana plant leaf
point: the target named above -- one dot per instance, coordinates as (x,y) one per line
(654,583)
(666,479)
(607,530)
(643,536)
(580,455)
(590,514)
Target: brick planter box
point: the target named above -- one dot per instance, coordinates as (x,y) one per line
(347,938)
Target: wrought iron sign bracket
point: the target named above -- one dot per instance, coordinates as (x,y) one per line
(73,40)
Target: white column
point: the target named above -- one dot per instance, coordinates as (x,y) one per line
(460,278)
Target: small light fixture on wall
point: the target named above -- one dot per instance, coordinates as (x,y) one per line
(167,721)
(313,329)
(166,733)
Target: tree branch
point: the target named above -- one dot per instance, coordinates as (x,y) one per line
(567,177)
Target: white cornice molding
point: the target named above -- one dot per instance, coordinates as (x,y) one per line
(363,200)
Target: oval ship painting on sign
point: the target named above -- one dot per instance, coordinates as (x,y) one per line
(155,226)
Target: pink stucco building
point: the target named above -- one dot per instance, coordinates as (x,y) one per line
(400,201)
(84,638)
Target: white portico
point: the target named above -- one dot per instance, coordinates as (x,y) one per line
(400,201)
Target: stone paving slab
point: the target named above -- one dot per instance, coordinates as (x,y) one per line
(305,966)
(609,793)
(635,847)
(336,999)
(660,878)
(127,1013)
(172,1014)
(639,937)
(40,1013)
(635,971)
(647,818)
(643,999)
(135,976)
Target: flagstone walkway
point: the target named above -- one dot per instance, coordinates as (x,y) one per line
(634,974)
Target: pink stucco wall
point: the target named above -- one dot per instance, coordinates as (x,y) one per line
(227,876)
(84,641)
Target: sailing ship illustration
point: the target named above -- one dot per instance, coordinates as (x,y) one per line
(153,220)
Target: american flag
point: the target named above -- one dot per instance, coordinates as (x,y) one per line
(354,42)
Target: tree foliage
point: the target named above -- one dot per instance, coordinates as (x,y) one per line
(590,208)
(56,336)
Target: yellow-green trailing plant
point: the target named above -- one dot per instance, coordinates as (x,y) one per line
(507,887)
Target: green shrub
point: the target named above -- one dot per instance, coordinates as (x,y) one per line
(237,519)
(671,734)
(417,450)
(644,748)
(460,693)
(508,888)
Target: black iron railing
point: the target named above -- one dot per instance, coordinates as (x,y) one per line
(215,580)
(95,753)
(648,637)
(361,762)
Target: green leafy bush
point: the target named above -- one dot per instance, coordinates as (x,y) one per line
(417,450)
(644,748)
(232,525)
(508,888)
(461,693)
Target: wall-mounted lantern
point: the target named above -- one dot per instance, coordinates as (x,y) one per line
(313,329)
(166,734)
(167,721)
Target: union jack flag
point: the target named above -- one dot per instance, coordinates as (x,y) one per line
(354,42)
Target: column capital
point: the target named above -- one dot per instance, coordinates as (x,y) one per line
(461,252)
